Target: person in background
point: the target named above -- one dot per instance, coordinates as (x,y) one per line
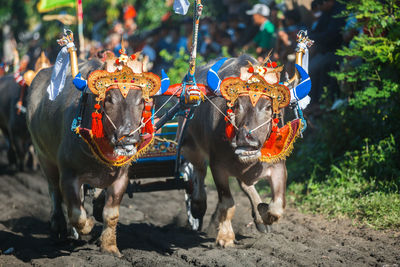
(265,38)
(129,22)
(328,38)
(286,39)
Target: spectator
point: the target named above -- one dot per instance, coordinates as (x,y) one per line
(265,38)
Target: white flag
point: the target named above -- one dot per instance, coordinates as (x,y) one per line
(59,74)
(181,6)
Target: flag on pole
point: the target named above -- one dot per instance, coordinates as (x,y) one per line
(59,73)
(49,5)
(181,6)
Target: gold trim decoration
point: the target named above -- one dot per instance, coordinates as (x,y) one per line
(103,152)
(100,81)
(255,87)
(283,147)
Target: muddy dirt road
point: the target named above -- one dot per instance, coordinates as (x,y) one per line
(151,232)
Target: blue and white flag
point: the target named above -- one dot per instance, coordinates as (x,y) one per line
(58,76)
(181,6)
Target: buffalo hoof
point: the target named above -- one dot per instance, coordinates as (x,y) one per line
(58,228)
(267,217)
(225,243)
(87,228)
(261,227)
(112,250)
(226,240)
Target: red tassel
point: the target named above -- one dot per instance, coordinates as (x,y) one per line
(272,137)
(229,131)
(148,127)
(97,125)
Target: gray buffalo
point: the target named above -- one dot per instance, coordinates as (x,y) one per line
(205,141)
(65,157)
(12,122)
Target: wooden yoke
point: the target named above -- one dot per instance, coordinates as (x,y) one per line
(68,40)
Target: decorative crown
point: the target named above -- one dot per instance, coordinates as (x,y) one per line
(121,75)
(100,81)
(255,87)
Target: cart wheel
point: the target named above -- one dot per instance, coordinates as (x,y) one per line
(187,175)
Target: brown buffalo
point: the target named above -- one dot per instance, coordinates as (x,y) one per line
(205,141)
(68,162)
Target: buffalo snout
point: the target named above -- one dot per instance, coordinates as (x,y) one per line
(246,145)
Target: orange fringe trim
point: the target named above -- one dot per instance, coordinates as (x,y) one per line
(283,146)
(100,156)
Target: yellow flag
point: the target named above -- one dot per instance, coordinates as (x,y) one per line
(48,5)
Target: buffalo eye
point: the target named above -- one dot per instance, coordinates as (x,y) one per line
(263,108)
(239,108)
(109,99)
(139,100)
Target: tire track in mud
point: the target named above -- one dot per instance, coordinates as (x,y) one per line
(152,232)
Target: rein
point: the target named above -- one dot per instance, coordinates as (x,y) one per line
(143,123)
(233,124)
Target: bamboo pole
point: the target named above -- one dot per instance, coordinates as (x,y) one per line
(80,29)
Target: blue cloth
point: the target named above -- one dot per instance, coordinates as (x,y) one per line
(80,84)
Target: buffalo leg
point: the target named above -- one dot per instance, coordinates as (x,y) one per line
(225,208)
(58,225)
(113,199)
(271,212)
(199,195)
(71,190)
(255,200)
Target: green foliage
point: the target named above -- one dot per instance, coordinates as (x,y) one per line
(348,162)
(379,49)
(150,14)
(180,64)
(352,188)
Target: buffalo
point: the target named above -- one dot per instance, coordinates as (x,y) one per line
(70,160)
(12,114)
(237,155)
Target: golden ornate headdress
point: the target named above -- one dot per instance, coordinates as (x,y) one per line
(254,81)
(123,78)
(100,81)
(255,87)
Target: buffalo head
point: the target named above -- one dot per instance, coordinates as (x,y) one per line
(254,97)
(121,116)
(254,127)
(122,91)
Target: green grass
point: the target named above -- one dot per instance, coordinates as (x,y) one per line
(355,200)
(355,188)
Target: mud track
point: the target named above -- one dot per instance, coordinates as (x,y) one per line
(151,232)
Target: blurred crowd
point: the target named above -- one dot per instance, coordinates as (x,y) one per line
(255,29)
